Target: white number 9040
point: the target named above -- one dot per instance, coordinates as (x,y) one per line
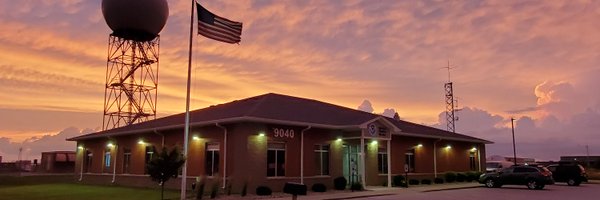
(284,133)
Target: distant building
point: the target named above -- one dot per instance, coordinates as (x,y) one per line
(593,160)
(0,159)
(19,165)
(520,160)
(57,162)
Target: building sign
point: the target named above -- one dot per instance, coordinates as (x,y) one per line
(283,133)
(375,130)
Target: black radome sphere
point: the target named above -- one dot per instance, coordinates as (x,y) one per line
(135,19)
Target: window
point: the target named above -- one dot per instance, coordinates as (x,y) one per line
(322,159)
(382,161)
(149,155)
(410,160)
(212,159)
(276,159)
(472,161)
(88,161)
(107,160)
(126,160)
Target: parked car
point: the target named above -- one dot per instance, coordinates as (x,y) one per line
(572,174)
(496,166)
(531,176)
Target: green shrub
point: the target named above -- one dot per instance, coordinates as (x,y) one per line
(200,191)
(460,177)
(426,182)
(438,180)
(214,190)
(450,177)
(470,176)
(319,187)
(356,186)
(413,182)
(244,189)
(398,181)
(340,183)
(263,191)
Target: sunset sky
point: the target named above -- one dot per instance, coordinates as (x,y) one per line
(536,61)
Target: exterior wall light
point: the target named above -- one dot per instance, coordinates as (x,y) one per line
(261,134)
(374,142)
(448,147)
(419,145)
(195,137)
(474,149)
(338,139)
(141,142)
(80,147)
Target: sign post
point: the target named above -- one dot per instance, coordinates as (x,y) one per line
(406,174)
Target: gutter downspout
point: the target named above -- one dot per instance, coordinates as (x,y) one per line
(435,158)
(478,157)
(389,163)
(83,151)
(115,163)
(224,154)
(302,154)
(163,138)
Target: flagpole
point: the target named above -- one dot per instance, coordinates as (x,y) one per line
(187,108)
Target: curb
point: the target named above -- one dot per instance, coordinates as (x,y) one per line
(362,196)
(456,188)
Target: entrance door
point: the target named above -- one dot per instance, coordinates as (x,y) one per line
(351,163)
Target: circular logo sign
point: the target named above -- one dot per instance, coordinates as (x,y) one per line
(372,129)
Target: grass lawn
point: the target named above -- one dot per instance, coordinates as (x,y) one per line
(78,191)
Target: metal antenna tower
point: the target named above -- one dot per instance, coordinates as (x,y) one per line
(131,81)
(450,111)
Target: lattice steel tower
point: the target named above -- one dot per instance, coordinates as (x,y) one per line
(450,118)
(131,81)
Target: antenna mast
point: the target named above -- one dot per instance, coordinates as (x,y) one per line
(450,111)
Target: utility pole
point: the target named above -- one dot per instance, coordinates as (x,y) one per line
(587,158)
(512,125)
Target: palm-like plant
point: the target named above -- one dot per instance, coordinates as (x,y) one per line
(164,166)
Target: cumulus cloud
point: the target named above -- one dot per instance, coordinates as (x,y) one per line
(389,112)
(32,147)
(564,121)
(366,106)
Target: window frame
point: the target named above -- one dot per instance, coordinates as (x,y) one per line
(275,146)
(320,150)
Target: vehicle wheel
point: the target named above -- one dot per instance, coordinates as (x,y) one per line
(490,183)
(571,182)
(540,187)
(532,184)
(577,183)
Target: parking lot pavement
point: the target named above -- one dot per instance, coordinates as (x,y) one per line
(551,192)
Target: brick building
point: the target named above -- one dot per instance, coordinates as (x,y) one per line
(271,139)
(57,162)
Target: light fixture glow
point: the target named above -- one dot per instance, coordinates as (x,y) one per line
(338,139)
(448,147)
(80,147)
(141,142)
(374,142)
(261,134)
(474,149)
(419,145)
(110,145)
(195,137)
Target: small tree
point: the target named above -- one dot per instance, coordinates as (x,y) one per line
(164,166)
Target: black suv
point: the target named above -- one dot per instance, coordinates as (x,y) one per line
(531,176)
(573,174)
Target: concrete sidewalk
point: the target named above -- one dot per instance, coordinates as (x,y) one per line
(382,191)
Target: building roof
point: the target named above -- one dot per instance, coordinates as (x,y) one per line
(282,109)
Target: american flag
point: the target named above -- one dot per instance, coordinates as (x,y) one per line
(218,28)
